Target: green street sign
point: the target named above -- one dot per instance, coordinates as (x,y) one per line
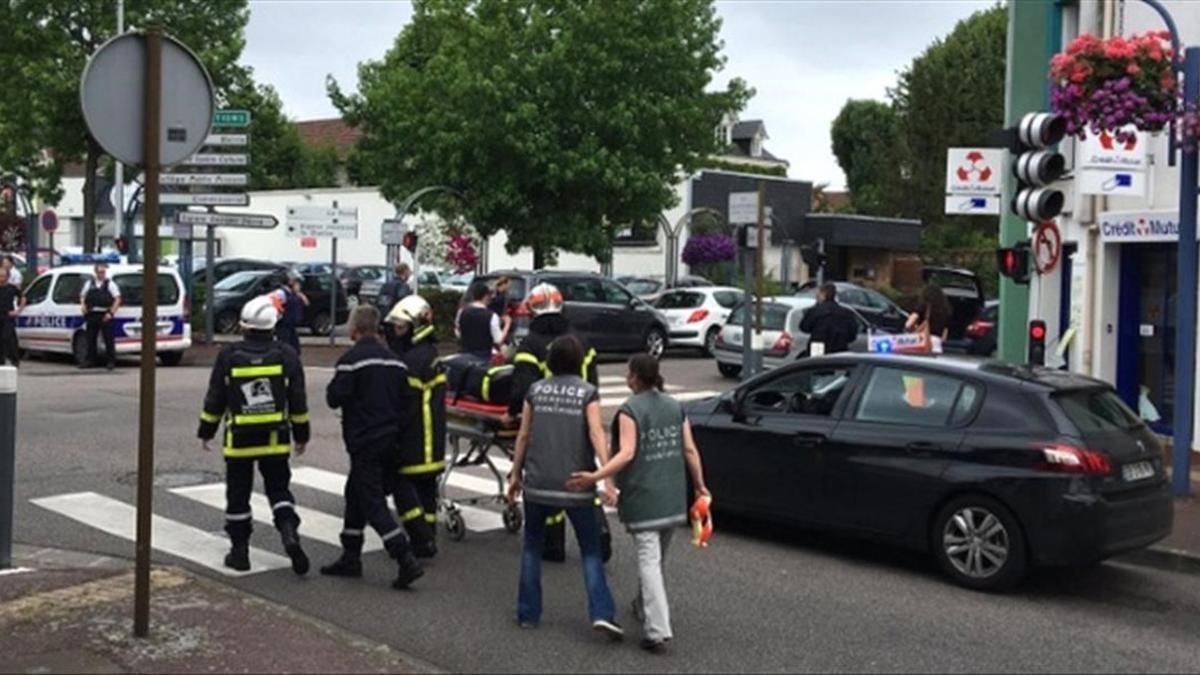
(231,118)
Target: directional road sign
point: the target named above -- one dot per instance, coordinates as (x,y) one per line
(206,199)
(322,222)
(218,159)
(251,221)
(220,179)
(227,140)
(392,232)
(231,118)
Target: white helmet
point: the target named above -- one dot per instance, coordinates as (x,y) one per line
(413,310)
(261,313)
(545,299)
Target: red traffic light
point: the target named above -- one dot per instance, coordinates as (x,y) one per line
(1037,330)
(1010,262)
(410,241)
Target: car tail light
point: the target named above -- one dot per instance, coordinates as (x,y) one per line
(979,328)
(698,316)
(1070,459)
(784,343)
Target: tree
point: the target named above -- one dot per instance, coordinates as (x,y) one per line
(45,47)
(560,121)
(952,95)
(868,144)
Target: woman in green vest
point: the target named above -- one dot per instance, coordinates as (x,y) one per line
(654,452)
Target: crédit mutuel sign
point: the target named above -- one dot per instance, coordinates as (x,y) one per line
(1134,227)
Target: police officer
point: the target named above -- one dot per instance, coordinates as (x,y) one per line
(423,449)
(370,385)
(529,365)
(257,387)
(99,302)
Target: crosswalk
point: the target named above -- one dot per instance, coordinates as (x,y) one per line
(203,543)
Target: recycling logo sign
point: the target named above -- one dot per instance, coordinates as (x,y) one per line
(973,180)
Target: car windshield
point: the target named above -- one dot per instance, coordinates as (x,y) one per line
(239,282)
(1097,410)
(131,289)
(774,315)
(680,300)
(643,286)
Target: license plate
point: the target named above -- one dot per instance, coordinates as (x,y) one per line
(1137,471)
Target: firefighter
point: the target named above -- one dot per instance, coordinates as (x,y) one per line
(257,388)
(529,365)
(370,385)
(423,449)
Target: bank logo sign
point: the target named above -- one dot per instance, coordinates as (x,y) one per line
(1139,227)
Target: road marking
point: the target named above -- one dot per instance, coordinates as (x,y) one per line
(316,525)
(169,536)
(15,570)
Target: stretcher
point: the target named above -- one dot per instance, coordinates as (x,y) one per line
(473,431)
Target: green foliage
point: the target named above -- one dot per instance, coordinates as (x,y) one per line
(559,120)
(868,144)
(742,167)
(445,304)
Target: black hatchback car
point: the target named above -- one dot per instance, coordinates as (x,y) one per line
(601,310)
(235,291)
(990,467)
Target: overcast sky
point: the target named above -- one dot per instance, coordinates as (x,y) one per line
(804,57)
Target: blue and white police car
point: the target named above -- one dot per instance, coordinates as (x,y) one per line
(53,323)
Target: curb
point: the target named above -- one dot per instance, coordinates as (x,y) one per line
(1164,559)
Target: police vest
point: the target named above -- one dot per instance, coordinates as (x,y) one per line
(99,296)
(256,424)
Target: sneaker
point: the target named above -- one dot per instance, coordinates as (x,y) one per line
(343,567)
(238,559)
(527,625)
(609,628)
(652,646)
(410,571)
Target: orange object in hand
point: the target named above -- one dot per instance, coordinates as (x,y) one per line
(702,523)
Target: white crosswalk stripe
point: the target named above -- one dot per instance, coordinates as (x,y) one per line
(184,541)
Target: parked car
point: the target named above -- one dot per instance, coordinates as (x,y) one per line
(458,282)
(317,268)
(234,291)
(224,268)
(47,258)
(52,323)
(362,282)
(646,288)
(695,315)
(781,333)
(692,281)
(964,291)
(981,333)
(610,317)
(429,279)
(881,313)
(991,468)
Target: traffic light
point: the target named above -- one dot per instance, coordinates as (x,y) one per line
(813,256)
(1036,167)
(122,245)
(1037,342)
(1015,262)
(410,242)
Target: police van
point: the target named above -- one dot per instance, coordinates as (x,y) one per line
(53,322)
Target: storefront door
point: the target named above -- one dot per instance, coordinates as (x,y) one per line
(1146,343)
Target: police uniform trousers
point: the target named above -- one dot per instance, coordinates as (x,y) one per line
(96,327)
(417,502)
(371,469)
(239,484)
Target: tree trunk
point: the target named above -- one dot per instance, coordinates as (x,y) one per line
(539,257)
(89,196)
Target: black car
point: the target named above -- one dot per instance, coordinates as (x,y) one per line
(610,317)
(988,466)
(224,268)
(235,291)
(884,315)
(362,282)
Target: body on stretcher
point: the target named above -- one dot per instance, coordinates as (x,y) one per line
(473,431)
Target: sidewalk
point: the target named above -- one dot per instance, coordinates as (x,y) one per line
(66,612)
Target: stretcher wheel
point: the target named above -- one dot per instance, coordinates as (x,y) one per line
(456,527)
(513,518)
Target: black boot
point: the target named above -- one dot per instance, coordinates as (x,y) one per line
(238,557)
(350,564)
(425,550)
(410,571)
(291,544)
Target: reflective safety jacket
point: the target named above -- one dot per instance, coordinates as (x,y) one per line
(529,362)
(423,446)
(257,389)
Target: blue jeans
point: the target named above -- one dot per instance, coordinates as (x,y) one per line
(587,533)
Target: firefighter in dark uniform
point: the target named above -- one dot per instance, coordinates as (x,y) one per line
(370,385)
(529,365)
(257,388)
(423,449)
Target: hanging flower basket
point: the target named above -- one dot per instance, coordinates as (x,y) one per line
(1104,85)
(706,249)
(461,253)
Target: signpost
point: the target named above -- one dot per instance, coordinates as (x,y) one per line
(309,223)
(131,86)
(974,177)
(746,213)
(50,226)
(249,221)
(231,118)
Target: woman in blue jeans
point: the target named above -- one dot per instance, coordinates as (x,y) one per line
(561,433)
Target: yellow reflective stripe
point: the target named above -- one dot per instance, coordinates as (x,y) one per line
(557,518)
(274,447)
(431,518)
(257,371)
(266,418)
(426,389)
(428,467)
(412,514)
(300,419)
(423,333)
(526,357)
(597,502)
(587,362)
(208,417)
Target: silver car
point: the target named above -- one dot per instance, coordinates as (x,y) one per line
(783,341)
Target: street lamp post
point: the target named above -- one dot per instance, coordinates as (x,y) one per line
(406,206)
(672,233)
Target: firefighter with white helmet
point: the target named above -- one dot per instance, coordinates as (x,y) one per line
(545,303)
(257,389)
(423,447)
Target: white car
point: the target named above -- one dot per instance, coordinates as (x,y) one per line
(52,321)
(783,341)
(695,315)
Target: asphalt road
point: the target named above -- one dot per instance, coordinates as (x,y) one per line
(760,598)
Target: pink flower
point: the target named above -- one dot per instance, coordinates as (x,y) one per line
(1133,69)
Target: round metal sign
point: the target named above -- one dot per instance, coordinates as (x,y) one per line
(49,220)
(1047,247)
(111,92)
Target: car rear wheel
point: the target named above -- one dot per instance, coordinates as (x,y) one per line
(979,544)
(710,340)
(322,325)
(656,342)
(729,370)
(79,349)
